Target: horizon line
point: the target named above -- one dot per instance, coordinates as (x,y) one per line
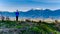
(27,10)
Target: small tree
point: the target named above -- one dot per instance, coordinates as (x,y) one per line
(27,20)
(7,18)
(2,18)
(56,21)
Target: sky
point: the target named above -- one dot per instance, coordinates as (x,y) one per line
(24,5)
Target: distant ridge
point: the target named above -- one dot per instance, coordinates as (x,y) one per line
(47,13)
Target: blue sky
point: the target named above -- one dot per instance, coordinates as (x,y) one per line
(12,5)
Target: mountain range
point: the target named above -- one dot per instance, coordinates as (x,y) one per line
(47,13)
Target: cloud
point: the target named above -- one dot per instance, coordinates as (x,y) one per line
(28,4)
(47,1)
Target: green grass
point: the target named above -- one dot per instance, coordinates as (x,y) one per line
(40,27)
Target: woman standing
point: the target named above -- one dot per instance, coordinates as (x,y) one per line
(17,15)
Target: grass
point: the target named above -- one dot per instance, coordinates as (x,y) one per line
(44,28)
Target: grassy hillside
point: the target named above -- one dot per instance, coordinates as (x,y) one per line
(31,27)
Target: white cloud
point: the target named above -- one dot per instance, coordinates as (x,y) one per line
(49,1)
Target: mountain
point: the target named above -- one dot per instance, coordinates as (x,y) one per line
(34,13)
(41,13)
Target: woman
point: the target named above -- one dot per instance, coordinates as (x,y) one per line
(17,15)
